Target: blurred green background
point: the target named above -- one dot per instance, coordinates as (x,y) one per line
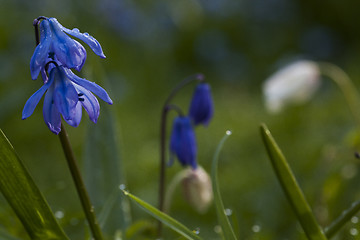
(150,47)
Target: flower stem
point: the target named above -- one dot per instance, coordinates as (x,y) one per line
(80,186)
(165,110)
(346,86)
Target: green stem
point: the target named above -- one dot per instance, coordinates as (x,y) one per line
(163,125)
(80,186)
(346,86)
(171,189)
(345,216)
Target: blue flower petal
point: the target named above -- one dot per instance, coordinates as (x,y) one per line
(86,38)
(65,95)
(38,59)
(91,86)
(75,121)
(33,101)
(51,114)
(183,142)
(201,108)
(68,51)
(83,53)
(89,102)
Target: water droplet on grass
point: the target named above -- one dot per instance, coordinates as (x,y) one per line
(228,212)
(256,228)
(59,214)
(354,231)
(217,229)
(228,132)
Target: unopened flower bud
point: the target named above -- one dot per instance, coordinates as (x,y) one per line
(197,189)
(295,83)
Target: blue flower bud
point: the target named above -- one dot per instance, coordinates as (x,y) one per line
(201,107)
(183,142)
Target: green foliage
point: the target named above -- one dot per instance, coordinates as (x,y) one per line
(291,188)
(23,195)
(164,218)
(227,230)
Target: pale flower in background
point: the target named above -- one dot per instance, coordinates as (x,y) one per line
(197,188)
(294,83)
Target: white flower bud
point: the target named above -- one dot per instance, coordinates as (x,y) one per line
(197,189)
(294,83)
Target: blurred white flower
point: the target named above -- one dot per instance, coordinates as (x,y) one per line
(197,188)
(294,83)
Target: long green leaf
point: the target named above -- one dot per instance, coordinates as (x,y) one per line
(345,216)
(291,188)
(164,218)
(25,198)
(227,230)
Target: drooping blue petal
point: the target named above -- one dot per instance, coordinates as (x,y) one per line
(89,102)
(33,101)
(38,59)
(91,86)
(65,95)
(68,51)
(85,37)
(51,114)
(201,107)
(75,121)
(83,53)
(183,142)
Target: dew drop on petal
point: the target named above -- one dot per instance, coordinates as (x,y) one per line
(76,30)
(228,212)
(256,228)
(228,132)
(86,34)
(354,231)
(355,219)
(59,214)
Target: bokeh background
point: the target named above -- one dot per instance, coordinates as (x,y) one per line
(150,47)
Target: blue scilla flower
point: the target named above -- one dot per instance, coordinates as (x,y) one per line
(201,107)
(56,45)
(183,142)
(66,94)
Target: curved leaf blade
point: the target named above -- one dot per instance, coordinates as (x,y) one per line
(345,216)
(291,188)
(24,197)
(227,230)
(164,218)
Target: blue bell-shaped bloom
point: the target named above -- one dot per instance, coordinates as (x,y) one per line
(66,94)
(183,142)
(201,107)
(56,45)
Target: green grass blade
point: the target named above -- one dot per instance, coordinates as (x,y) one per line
(164,218)
(291,188)
(227,230)
(25,198)
(345,216)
